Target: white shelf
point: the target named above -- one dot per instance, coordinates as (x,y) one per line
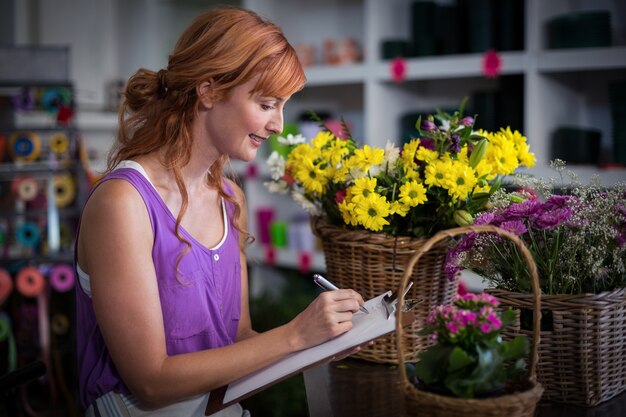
(587,59)
(321,75)
(453,66)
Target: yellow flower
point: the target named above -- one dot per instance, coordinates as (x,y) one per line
(300,153)
(413,193)
(436,174)
(322,139)
(409,151)
(462,181)
(313,178)
(524,155)
(346,208)
(335,152)
(426,155)
(362,188)
(399,208)
(368,156)
(371,212)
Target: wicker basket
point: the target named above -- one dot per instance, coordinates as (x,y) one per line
(523,399)
(582,354)
(373,263)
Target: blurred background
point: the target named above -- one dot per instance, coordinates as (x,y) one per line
(556,71)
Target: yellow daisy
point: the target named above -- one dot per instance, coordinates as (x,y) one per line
(413,193)
(371,212)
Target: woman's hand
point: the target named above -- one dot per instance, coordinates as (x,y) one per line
(328,316)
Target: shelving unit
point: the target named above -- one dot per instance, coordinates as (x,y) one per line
(560,87)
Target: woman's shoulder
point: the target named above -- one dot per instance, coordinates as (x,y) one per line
(233,189)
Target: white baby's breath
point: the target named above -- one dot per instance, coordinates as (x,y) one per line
(291,140)
(276,164)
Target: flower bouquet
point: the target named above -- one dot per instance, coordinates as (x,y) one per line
(469,358)
(374,207)
(433,182)
(578,240)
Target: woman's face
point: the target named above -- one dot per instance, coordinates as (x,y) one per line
(240,123)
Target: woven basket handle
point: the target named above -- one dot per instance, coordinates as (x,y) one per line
(449,233)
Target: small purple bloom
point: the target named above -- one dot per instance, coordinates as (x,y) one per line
(485,328)
(428,126)
(556,201)
(467,121)
(522,210)
(517,227)
(484,218)
(551,219)
(455,144)
(427,143)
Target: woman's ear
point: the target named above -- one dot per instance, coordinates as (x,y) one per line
(205,94)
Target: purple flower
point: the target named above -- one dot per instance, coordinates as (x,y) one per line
(517,227)
(467,121)
(484,218)
(550,219)
(427,143)
(428,126)
(455,144)
(522,210)
(485,327)
(556,201)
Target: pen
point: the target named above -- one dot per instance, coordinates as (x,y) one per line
(329,286)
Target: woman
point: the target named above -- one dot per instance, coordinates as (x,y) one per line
(162,305)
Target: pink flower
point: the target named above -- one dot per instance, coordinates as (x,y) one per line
(452,327)
(485,327)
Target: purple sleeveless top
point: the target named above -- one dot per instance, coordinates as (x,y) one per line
(201,307)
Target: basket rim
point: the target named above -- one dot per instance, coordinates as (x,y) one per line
(450,233)
(327,231)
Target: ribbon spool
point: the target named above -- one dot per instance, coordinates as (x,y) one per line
(60,324)
(24,100)
(52,99)
(30,282)
(62,278)
(24,146)
(7,334)
(27,234)
(64,190)
(6,285)
(26,188)
(3,140)
(59,143)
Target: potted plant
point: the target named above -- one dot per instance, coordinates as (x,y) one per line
(373,207)
(577,237)
(469,357)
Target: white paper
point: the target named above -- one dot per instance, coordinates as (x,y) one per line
(365,327)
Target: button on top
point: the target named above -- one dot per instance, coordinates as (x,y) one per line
(216,257)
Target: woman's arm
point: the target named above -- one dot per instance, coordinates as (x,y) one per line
(115,249)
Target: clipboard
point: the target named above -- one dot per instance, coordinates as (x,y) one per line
(366,327)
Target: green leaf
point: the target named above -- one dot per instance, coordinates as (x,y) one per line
(459,359)
(431,363)
(516,348)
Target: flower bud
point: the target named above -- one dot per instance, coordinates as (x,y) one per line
(478,153)
(463,218)
(428,126)
(467,121)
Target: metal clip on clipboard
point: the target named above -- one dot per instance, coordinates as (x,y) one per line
(390,301)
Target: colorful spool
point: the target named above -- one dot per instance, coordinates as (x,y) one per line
(64,190)
(52,99)
(59,143)
(26,188)
(30,282)
(6,285)
(24,146)
(6,333)
(27,234)
(60,324)
(62,278)
(3,141)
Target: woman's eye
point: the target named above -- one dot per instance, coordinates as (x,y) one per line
(267,106)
